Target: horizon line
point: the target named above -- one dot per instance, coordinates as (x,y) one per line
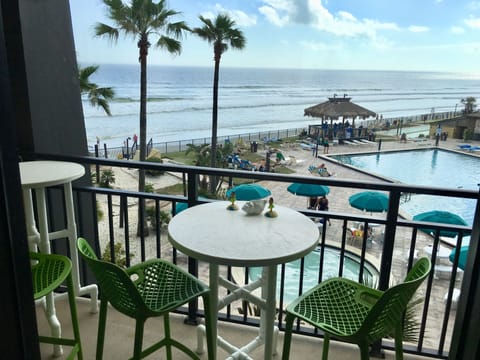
(282,68)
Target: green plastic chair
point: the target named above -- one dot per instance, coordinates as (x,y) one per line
(150,289)
(49,271)
(354,313)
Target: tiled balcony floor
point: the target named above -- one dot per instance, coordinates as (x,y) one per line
(120,333)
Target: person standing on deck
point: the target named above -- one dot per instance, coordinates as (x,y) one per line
(323,206)
(325,145)
(438,133)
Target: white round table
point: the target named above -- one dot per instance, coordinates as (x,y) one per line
(37,176)
(211,233)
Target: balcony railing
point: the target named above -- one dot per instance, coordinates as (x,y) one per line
(394,250)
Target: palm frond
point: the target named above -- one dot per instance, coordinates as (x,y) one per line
(171,45)
(98,96)
(106,30)
(177,29)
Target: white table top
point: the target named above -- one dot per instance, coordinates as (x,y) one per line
(40,174)
(211,233)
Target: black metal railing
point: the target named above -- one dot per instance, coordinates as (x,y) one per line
(396,248)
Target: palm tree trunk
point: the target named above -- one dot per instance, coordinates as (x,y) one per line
(143,45)
(215,112)
(143,119)
(213,180)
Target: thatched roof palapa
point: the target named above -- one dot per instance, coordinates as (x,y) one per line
(338,107)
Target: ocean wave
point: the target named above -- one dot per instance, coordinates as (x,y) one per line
(371,94)
(149,99)
(186,108)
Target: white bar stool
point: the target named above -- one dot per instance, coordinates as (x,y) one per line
(39,175)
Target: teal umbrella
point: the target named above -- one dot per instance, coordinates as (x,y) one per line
(443,217)
(462,258)
(249,192)
(372,201)
(180,207)
(308,189)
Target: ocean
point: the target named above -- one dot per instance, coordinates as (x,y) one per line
(252,100)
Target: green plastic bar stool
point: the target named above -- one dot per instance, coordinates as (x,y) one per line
(149,289)
(355,313)
(49,271)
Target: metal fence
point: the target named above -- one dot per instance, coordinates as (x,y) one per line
(261,136)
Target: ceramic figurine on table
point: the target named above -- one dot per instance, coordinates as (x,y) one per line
(232,199)
(270,212)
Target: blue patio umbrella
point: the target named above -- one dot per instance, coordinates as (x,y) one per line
(179,207)
(249,192)
(372,201)
(443,217)
(462,258)
(302,189)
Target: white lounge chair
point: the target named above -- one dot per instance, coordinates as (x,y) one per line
(358,142)
(367,141)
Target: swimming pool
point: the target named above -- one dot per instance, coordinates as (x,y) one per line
(351,269)
(430,167)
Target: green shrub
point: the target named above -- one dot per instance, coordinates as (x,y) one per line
(467,134)
(107,178)
(119,253)
(149,188)
(154,159)
(165,217)
(152,218)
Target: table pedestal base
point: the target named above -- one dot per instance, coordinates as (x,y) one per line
(235,352)
(267,333)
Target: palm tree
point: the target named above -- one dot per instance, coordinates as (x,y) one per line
(142,19)
(98,96)
(469,103)
(221,33)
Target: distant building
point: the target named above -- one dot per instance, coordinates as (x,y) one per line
(455,127)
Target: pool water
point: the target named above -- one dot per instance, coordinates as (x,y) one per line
(429,167)
(351,269)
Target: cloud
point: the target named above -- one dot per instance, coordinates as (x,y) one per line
(273,17)
(473,23)
(240,17)
(474,5)
(457,30)
(284,12)
(418,29)
(314,13)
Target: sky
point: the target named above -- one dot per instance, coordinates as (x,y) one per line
(405,35)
